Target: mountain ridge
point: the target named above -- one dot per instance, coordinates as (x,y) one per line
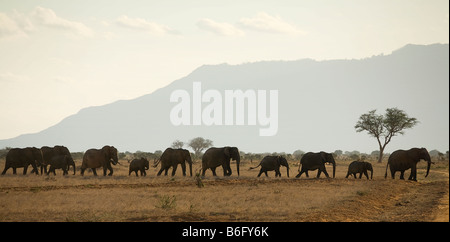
(310,91)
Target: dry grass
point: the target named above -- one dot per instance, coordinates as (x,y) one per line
(245,198)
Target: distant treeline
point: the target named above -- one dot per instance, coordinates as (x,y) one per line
(252,157)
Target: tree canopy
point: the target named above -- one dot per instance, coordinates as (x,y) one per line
(384,127)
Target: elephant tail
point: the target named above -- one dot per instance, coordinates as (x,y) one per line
(254,167)
(385,174)
(156,163)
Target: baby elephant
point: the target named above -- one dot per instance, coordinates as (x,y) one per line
(270,163)
(61,162)
(139,165)
(360,167)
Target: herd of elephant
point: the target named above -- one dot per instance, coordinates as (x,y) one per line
(59,157)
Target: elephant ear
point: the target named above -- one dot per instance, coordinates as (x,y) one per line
(324,156)
(226,150)
(279,159)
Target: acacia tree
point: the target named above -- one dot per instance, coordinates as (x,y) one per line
(199,144)
(384,127)
(177,144)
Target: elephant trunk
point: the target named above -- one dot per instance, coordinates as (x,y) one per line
(190,168)
(371,174)
(287,170)
(238,160)
(73,168)
(334,169)
(428,167)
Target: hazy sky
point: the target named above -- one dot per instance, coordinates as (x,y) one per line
(59,56)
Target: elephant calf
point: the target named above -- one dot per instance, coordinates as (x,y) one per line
(139,165)
(61,162)
(272,163)
(360,167)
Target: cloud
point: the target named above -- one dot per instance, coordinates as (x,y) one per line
(266,23)
(8,77)
(9,26)
(144,25)
(225,29)
(47,17)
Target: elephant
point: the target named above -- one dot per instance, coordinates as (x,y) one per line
(173,157)
(270,163)
(61,162)
(215,157)
(23,157)
(48,153)
(402,160)
(95,158)
(360,167)
(313,161)
(141,165)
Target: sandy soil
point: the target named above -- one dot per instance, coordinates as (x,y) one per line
(245,198)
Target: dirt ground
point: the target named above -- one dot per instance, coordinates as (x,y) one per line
(244,198)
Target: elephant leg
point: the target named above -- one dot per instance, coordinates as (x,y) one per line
(166,170)
(183,168)
(35,169)
(413,175)
(4,170)
(203,172)
(360,175)
(300,174)
(402,175)
(324,172)
(348,174)
(143,172)
(108,167)
(160,171)
(94,170)
(136,173)
(393,174)
(25,168)
(213,169)
(265,172)
(366,174)
(174,170)
(225,170)
(229,172)
(260,172)
(14,171)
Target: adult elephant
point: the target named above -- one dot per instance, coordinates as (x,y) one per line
(173,157)
(272,163)
(95,158)
(23,157)
(402,160)
(313,161)
(49,153)
(215,157)
(360,167)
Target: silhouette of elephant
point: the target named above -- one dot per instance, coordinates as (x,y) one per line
(402,160)
(95,158)
(272,163)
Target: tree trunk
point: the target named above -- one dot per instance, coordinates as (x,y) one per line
(380,156)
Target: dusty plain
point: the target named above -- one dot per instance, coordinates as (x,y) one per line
(127,198)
